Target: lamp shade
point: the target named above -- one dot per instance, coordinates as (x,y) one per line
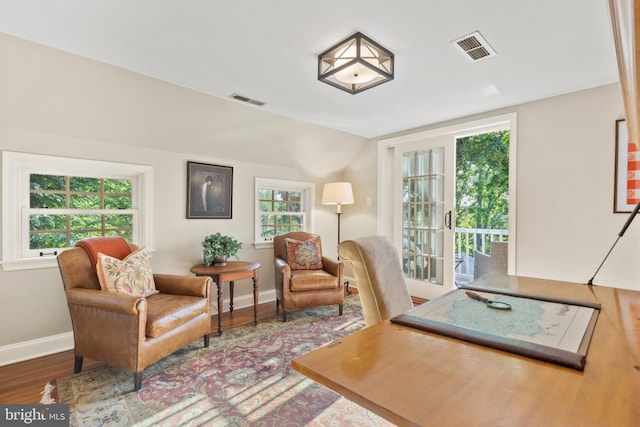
(337,193)
(356,64)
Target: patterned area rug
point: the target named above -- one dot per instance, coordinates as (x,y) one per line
(244,378)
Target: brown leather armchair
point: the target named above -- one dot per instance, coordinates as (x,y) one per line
(131,332)
(299,288)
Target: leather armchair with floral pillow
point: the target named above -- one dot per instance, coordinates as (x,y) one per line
(123,314)
(303,276)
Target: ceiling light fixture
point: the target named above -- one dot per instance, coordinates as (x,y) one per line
(356,64)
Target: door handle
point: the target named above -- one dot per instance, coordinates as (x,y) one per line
(447,220)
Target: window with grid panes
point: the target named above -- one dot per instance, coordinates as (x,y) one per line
(65,209)
(52,202)
(282,207)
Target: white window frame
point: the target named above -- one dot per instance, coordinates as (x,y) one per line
(307,203)
(16,169)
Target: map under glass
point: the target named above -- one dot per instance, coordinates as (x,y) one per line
(550,324)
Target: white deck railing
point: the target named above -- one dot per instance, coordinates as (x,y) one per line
(466,241)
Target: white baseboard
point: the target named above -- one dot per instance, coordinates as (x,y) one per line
(242,301)
(32,349)
(26,350)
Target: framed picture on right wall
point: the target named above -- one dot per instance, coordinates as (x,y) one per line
(627,171)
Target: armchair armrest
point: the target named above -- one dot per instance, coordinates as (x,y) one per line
(195,286)
(333,267)
(107,326)
(282,266)
(108,301)
(282,270)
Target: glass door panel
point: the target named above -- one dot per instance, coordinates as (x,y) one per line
(426,196)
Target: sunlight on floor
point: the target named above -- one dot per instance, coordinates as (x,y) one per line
(196,410)
(350,416)
(268,395)
(347,324)
(245,394)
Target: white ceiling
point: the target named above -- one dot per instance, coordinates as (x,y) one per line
(267,50)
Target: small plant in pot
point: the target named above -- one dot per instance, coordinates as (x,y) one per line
(217,248)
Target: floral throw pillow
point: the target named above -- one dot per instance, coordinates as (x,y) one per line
(131,275)
(304,255)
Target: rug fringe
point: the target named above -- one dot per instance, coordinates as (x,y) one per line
(46,395)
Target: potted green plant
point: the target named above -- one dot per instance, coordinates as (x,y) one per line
(217,248)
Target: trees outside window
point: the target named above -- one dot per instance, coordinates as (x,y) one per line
(482,181)
(65,209)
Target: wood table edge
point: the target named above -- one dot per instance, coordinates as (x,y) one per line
(353,397)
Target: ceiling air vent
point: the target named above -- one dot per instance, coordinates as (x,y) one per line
(247,100)
(474,47)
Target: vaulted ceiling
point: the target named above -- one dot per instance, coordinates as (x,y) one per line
(267,50)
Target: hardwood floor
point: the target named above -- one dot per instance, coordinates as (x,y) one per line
(24,381)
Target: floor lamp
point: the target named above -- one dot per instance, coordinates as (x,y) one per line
(338,193)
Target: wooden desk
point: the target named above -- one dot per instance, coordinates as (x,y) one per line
(234,270)
(411,377)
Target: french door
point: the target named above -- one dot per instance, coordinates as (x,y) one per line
(423,217)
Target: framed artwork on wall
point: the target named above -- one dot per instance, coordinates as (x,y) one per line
(627,171)
(209,191)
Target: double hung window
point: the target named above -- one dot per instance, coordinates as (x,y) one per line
(281,206)
(52,202)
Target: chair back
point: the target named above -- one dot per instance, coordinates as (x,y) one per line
(499,257)
(76,270)
(280,246)
(379,278)
(78,265)
(115,247)
(481,264)
(494,263)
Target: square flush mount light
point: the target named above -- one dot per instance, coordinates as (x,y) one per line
(355,64)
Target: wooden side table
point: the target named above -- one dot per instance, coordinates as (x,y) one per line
(234,270)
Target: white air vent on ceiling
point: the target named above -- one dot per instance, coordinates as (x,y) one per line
(247,100)
(474,47)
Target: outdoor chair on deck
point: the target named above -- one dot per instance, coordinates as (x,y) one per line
(496,262)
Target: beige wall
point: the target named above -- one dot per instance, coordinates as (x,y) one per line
(565,173)
(566,162)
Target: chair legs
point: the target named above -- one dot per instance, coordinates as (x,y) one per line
(137,376)
(77,366)
(137,381)
(340,306)
(284,312)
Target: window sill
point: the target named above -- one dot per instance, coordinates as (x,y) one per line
(29,263)
(263,245)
